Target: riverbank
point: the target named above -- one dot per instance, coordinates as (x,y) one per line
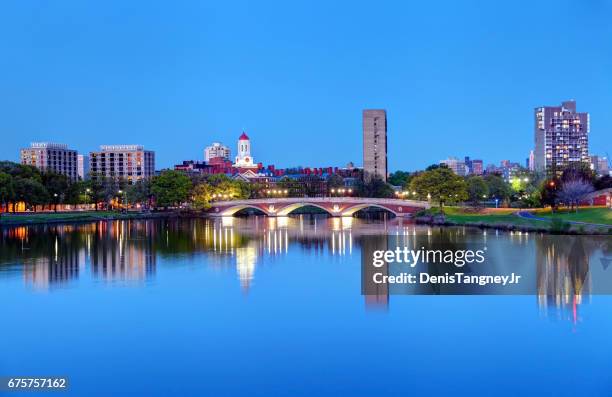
(40,218)
(592,220)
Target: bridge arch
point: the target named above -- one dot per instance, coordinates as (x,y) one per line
(234,209)
(352,210)
(292,207)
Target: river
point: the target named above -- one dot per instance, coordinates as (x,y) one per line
(274,306)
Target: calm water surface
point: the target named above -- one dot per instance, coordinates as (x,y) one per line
(263,306)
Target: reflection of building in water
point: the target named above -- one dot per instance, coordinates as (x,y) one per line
(46,271)
(123,251)
(246,259)
(376,295)
(563,276)
(58,265)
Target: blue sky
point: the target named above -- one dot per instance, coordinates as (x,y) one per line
(456,77)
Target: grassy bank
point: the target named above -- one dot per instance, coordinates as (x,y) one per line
(506,218)
(598,215)
(67,217)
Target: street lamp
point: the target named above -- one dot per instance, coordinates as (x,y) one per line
(124,198)
(87,198)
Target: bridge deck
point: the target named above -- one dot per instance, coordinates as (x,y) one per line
(335,206)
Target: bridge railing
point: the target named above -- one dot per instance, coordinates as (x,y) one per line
(318,200)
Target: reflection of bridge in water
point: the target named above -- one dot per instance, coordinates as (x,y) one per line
(334,206)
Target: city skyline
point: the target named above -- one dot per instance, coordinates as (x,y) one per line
(222,70)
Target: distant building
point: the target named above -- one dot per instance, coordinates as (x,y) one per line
(54,157)
(468,165)
(508,169)
(375,144)
(600,165)
(244,158)
(561,136)
(217,150)
(129,162)
(477,167)
(83,167)
(458,166)
(531,161)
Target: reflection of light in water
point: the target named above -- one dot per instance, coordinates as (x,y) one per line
(336,224)
(343,238)
(272,223)
(227,221)
(246,258)
(347,222)
(283,221)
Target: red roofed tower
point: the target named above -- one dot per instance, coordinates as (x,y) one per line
(244,158)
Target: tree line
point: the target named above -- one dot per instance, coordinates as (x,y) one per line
(441,185)
(171,189)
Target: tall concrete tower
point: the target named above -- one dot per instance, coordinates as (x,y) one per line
(375,144)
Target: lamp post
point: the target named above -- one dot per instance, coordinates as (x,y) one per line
(124,193)
(87,198)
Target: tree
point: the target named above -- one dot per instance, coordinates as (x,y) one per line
(549,191)
(56,185)
(400,178)
(572,191)
(578,171)
(375,187)
(170,188)
(30,191)
(335,181)
(498,188)
(605,182)
(96,189)
(139,192)
(202,195)
(441,185)
(75,193)
(436,166)
(7,190)
(477,189)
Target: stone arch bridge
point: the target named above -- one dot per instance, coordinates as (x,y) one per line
(335,206)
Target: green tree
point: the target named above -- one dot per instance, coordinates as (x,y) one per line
(441,185)
(202,195)
(7,190)
(170,188)
(30,191)
(139,192)
(548,192)
(56,185)
(375,187)
(96,189)
(498,188)
(75,193)
(400,178)
(477,189)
